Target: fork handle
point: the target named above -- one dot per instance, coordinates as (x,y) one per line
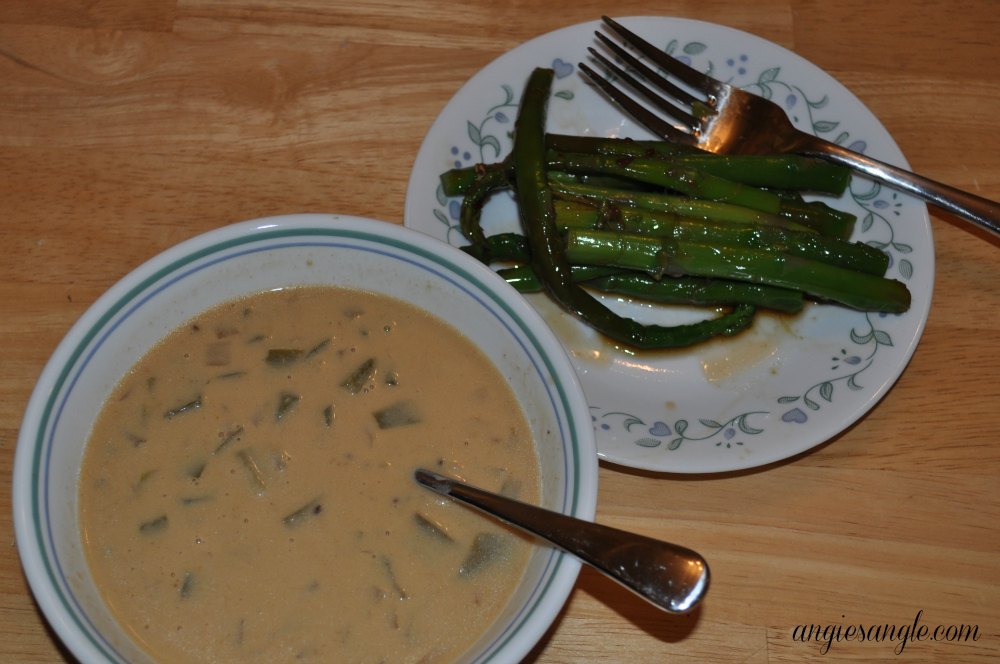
(981,211)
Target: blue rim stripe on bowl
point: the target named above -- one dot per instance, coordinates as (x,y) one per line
(132,300)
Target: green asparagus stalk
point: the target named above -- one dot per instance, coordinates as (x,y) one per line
(851,255)
(525,280)
(684,206)
(501,247)
(672,176)
(781,171)
(674,258)
(667,290)
(489,181)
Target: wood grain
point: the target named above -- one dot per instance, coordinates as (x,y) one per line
(129,125)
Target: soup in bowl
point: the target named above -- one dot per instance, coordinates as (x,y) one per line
(216,464)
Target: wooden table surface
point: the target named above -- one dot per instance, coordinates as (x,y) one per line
(129,125)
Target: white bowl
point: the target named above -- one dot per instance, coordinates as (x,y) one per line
(247,258)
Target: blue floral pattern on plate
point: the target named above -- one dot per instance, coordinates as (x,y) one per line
(834,366)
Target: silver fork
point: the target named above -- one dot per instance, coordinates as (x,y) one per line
(718,117)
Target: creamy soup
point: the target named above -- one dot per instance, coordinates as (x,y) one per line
(247,492)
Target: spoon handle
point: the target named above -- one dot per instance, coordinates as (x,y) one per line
(671,577)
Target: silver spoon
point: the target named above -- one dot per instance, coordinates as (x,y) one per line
(671,577)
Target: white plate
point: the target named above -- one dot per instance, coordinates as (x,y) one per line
(773,392)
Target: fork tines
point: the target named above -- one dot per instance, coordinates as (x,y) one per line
(669,107)
(675,67)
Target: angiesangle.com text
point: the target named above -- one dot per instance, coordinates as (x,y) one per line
(899,635)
